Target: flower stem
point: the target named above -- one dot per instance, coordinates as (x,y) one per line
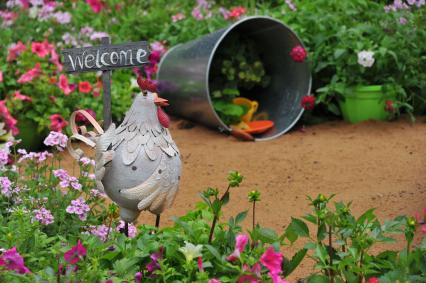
(212,229)
(254,214)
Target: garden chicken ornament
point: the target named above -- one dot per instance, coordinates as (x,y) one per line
(137,163)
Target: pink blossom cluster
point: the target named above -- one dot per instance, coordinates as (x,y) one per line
(87,161)
(95,193)
(56,139)
(37,156)
(8,18)
(30,75)
(89,175)
(11,123)
(6,186)
(43,215)
(100,231)
(202,10)
(67,180)
(78,207)
(132,228)
(270,259)
(403,5)
(14,50)
(178,17)
(12,260)
(86,33)
(4,155)
(96,5)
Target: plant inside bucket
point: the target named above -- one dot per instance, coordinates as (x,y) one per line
(238,72)
(264,78)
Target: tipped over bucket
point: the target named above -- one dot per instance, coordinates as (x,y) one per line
(184,75)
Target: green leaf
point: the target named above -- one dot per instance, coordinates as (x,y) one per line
(294,262)
(214,252)
(299,227)
(338,53)
(316,278)
(240,217)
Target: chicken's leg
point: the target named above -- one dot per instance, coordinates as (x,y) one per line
(157,221)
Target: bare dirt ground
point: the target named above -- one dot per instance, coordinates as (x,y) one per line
(373,164)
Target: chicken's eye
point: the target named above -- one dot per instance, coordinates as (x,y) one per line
(145,93)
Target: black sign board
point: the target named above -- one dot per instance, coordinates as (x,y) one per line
(105,58)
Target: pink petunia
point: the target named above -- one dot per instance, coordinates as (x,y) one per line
(1,76)
(14,50)
(240,244)
(272,260)
(19,96)
(54,58)
(84,87)
(64,86)
(40,49)
(76,253)
(237,12)
(57,123)
(8,119)
(30,75)
(96,5)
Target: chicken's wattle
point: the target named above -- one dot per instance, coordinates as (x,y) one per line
(163,118)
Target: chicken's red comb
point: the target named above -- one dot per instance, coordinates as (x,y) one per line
(146,84)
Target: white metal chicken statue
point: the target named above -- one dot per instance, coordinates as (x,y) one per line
(138,164)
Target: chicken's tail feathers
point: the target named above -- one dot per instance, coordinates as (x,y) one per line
(80,133)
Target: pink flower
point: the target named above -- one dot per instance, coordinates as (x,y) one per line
(64,86)
(1,76)
(290,5)
(255,277)
(8,18)
(80,118)
(373,280)
(84,87)
(54,58)
(44,216)
(30,75)
(40,48)
(132,229)
(57,123)
(214,281)
(272,260)
(96,5)
(178,17)
(78,207)
(12,260)
(100,231)
(240,243)
(403,21)
(14,50)
(157,46)
(237,12)
(225,13)
(200,264)
(8,119)
(19,96)
(76,253)
(138,277)
(298,53)
(308,102)
(155,257)
(56,139)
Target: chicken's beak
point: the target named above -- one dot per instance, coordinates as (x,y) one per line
(160,101)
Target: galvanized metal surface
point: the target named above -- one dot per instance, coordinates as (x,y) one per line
(184,75)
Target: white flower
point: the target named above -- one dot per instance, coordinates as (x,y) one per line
(191,251)
(366,58)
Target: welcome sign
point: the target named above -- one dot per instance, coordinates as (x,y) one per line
(105,57)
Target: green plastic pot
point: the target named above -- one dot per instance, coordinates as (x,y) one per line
(363,103)
(31,139)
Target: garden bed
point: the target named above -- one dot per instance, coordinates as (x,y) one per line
(373,164)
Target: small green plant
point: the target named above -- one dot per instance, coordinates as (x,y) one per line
(237,67)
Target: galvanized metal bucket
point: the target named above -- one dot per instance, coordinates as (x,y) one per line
(184,75)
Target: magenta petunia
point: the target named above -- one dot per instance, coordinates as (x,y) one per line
(272,260)
(30,75)
(12,260)
(76,253)
(298,54)
(240,244)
